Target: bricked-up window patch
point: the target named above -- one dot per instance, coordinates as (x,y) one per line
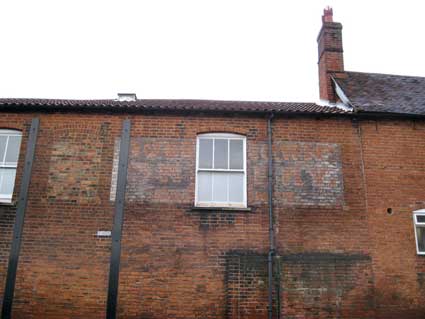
(308,174)
(160,170)
(75,163)
(246,285)
(10,143)
(419,223)
(326,285)
(221,170)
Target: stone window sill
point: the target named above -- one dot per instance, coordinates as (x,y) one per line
(223,209)
(8,203)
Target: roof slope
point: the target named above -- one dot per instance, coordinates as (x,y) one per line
(372,92)
(165,105)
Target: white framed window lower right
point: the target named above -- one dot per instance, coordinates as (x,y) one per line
(419,223)
(221,170)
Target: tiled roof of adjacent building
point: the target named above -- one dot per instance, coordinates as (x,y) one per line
(167,105)
(384,93)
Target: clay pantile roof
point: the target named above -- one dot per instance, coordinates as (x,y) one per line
(166,105)
(384,93)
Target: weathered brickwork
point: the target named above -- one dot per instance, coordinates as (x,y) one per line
(7,218)
(246,285)
(160,170)
(330,58)
(308,174)
(307,228)
(327,285)
(394,153)
(74,162)
(61,272)
(20,122)
(339,254)
(180,251)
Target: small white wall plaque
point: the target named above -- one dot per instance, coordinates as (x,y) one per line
(103,233)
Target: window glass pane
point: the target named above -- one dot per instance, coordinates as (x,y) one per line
(205,153)
(204,187)
(236,186)
(2,147)
(220,153)
(236,154)
(420,219)
(7,181)
(420,231)
(220,187)
(12,152)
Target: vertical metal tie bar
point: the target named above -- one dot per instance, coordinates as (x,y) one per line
(114,267)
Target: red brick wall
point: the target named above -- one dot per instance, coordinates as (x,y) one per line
(394,161)
(63,266)
(321,232)
(177,262)
(182,254)
(20,122)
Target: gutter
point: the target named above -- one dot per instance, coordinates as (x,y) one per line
(136,110)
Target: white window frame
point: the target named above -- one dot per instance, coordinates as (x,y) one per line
(416,213)
(3,164)
(229,136)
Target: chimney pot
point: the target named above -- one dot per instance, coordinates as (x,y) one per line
(327,14)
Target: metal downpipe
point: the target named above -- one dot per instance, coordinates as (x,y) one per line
(271,228)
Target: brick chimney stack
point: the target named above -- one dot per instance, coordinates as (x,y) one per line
(331,59)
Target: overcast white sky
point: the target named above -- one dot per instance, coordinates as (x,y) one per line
(209,49)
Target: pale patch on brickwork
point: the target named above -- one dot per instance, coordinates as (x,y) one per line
(160,170)
(74,165)
(308,174)
(114,177)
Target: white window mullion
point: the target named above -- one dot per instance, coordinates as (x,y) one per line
(5,151)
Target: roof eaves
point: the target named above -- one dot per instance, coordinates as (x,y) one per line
(169,106)
(365,113)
